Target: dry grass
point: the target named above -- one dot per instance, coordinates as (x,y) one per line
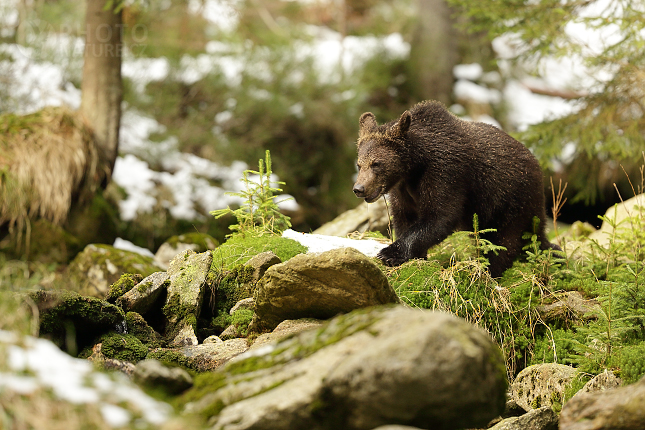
(48,160)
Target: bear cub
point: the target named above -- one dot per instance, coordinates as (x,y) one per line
(438,171)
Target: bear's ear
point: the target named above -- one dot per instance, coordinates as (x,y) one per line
(402,125)
(367,123)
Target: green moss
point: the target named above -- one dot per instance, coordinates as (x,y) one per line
(241,320)
(171,358)
(178,314)
(126,282)
(65,312)
(138,327)
(124,347)
(239,250)
(142,288)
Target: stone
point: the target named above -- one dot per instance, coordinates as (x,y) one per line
(364,217)
(102,362)
(201,358)
(569,306)
(98,266)
(187,279)
(319,286)
(617,409)
(620,215)
(145,294)
(601,382)
(261,262)
(212,339)
(89,316)
(229,333)
(542,385)
(372,367)
(197,242)
(543,418)
(153,374)
(286,328)
(247,304)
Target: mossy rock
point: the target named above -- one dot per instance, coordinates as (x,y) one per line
(125,283)
(98,266)
(65,313)
(138,327)
(124,347)
(239,250)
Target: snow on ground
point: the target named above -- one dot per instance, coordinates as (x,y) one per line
(322,243)
(37,363)
(126,245)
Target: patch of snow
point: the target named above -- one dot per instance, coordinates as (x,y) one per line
(75,380)
(322,243)
(221,13)
(36,84)
(466,90)
(527,108)
(142,71)
(471,72)
(126,245)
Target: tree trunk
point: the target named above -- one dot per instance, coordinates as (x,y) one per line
(433,52)
(101,89)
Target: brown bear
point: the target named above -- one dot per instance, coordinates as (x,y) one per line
(438,170)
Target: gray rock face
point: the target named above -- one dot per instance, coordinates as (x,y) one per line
(601,382)
(244,304)
(153,374)
(262,262)
(541,385)
(319,286)
(538,419)
(141,298)
(387,365)
(286,328)
(569,305)
(187,274)
(617,409)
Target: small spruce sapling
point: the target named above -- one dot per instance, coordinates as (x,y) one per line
(259,214)
(480,245)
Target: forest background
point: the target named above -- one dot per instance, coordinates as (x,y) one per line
(209,85)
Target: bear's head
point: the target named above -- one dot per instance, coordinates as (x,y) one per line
(381,152)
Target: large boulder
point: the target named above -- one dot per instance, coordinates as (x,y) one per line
(542,385)
(144,295)
(616,409)
(319,286)
(98,266)
(385,365)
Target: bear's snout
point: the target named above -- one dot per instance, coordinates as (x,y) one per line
(359,190)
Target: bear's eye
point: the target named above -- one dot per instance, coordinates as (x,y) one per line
(376,165)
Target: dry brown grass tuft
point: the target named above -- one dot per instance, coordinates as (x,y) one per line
(48,160)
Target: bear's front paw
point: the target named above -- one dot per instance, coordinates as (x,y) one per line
(392,256)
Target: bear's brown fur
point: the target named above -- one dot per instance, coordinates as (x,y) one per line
(438,170)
